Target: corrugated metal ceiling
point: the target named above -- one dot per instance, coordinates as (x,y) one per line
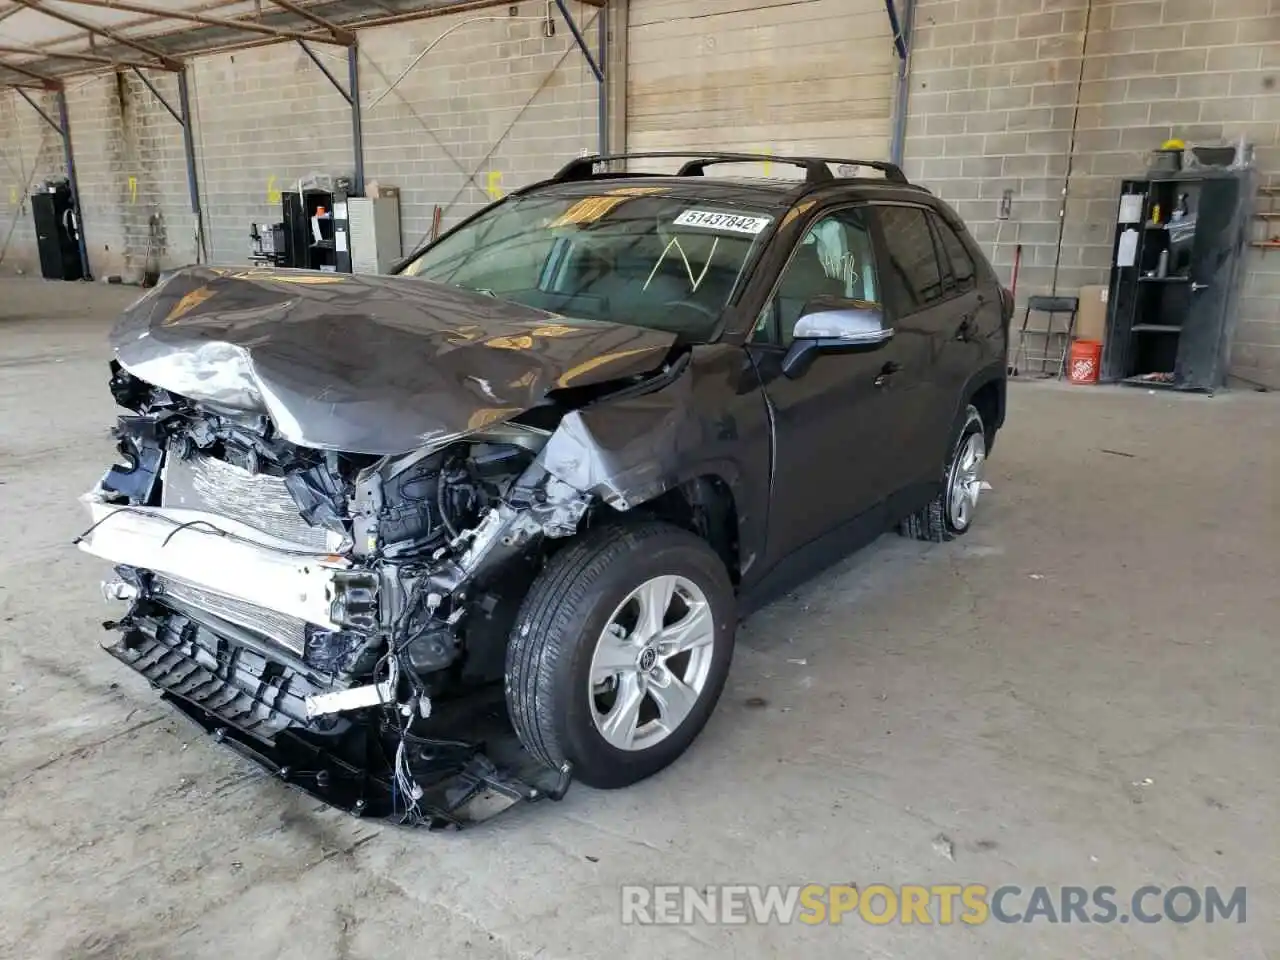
(59,38)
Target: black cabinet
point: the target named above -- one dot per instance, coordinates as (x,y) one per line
(57,239)
(1177,262)
(308,230)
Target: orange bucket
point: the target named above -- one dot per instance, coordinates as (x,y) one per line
(1085,361)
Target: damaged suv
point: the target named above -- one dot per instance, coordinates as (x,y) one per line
(538,475)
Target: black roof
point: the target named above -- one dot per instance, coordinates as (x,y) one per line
(581,178)
(757,193)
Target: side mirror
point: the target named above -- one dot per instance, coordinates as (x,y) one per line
(833,325)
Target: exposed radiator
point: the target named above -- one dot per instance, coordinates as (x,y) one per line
(260,501)
(287,631)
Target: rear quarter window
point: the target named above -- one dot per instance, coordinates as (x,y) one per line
(911,258)
(963,269)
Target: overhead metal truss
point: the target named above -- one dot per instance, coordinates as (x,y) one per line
(164,34)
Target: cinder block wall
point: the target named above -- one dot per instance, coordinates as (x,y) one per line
(265,118)
(993,93)
(132,175)
(30,152)
(492,106)
(129,164)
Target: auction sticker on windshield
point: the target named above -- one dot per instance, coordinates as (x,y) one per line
(733,222)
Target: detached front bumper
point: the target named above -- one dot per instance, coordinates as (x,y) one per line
(255,704)
(217,554)
(219,624)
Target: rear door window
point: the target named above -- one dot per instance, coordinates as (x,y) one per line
(912,268)
(960,263)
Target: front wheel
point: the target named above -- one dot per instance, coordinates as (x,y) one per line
(620,652)
(951,513)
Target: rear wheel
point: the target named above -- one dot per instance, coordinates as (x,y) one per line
(620,652)
(951,513)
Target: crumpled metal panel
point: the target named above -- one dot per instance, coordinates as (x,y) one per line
(366,364)
(289,632)
(263,502)
(238,685)
(627,450)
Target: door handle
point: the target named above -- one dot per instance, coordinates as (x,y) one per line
(1197,287)
(966,327)
(888,370)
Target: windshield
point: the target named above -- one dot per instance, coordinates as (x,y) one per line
(632,255)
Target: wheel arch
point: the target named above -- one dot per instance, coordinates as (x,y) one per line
(705,505)
(986,390)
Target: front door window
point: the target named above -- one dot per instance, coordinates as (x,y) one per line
(833,260)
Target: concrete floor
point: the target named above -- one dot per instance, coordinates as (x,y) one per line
(1081,691)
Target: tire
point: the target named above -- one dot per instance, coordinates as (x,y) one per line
(938,522)
(551,697)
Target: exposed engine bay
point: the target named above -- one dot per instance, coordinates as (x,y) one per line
(332,497)
(279,592)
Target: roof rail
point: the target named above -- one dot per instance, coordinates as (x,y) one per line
(891,171)
(817,169)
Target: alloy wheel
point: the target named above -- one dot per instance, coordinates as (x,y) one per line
(966,480)
(651,662)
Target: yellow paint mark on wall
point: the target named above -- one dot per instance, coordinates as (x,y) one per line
(493,184)
(13,196)
(273,192)
(133,189)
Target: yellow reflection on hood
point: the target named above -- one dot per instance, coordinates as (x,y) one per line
(486,415)
(188,303)
(510,343)
(553,330)
(305,279)
(566,379)
(266,273)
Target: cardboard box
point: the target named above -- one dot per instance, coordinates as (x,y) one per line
(375,190)
(1091,321)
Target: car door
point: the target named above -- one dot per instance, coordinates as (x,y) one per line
(922,312)
(835,423)
(977,314)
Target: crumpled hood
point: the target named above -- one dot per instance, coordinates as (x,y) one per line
(365,364)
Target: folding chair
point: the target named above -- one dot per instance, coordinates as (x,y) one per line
(1050,351)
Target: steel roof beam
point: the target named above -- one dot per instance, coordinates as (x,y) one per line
(46,81)
(901,27)
(201,18)
(596,68)
(93,29)
(340,34)
(326,71)
(40,110)
(86,57)
(900,37)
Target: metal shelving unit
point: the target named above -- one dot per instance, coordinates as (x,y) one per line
(1268,216)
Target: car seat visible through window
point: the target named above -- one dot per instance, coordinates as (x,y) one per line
(806,277)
